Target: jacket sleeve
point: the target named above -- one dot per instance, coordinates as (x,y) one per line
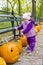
(33,21)
(20,27)
(29,26)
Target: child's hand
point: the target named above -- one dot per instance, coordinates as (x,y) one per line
(16,28)
(21,34)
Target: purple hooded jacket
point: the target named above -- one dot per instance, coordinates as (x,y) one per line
(28,28)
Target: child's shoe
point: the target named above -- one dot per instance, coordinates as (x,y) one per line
(29,52)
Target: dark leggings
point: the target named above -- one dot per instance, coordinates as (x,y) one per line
(31,42)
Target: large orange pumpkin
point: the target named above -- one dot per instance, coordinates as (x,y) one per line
(2,61)
(23,40)
(19,46)
(18,43)
(9,52)
(0,50)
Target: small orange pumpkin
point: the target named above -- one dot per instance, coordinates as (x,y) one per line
(0,53)
(36,31)
(41,23)
(38,27)
(9,52)
(23,40)
(2,61)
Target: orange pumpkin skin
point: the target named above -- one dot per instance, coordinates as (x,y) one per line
(23,40)
(0,51)
(38,27)
(41,23)
(19,46)
(9,52)
(18,43)
(2,61)
(36,31)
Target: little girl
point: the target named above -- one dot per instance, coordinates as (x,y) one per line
(28,30)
